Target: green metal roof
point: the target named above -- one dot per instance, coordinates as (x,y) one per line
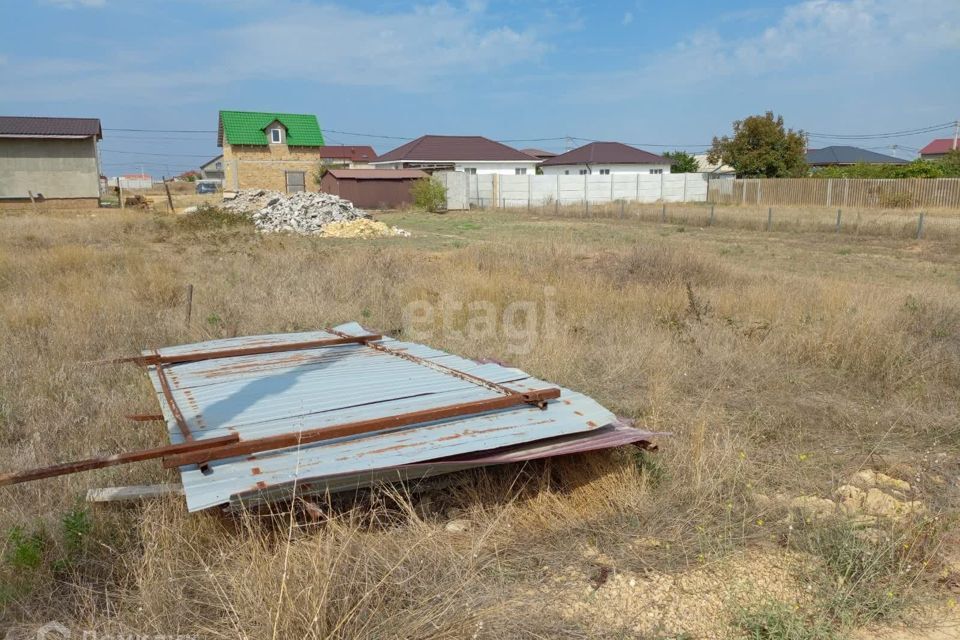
(247,127)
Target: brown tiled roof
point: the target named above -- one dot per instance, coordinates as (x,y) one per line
(377,174)
(453,148)
(31,126)
(605,153)
(361,153)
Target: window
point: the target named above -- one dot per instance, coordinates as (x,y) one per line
(471,170)
(604,172)
(583,172)
(295,181)
(566,172)
(656,171)
(276,135)
(219,166)
(519,172)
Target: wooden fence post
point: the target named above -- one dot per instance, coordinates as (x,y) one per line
(169,197)
(920,226)
(663,213)
(120,193)
(711,215)
(838,219)
(189,305)
(769,218)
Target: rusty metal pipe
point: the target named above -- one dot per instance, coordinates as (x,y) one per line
(16,477)
(243,351)
(287,440)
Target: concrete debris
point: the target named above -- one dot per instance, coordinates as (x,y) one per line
(361,228)
(307,212)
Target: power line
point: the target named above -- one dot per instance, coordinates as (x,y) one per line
(165,130)
(873,136)
(161,155)
(368,135)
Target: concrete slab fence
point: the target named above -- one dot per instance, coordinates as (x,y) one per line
(501,191)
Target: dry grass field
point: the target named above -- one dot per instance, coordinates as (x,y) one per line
(782,364)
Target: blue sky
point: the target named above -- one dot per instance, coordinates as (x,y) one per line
(649,73)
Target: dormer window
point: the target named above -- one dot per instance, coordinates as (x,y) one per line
(276,135)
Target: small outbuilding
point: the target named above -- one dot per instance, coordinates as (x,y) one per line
(49,160)
(372,188)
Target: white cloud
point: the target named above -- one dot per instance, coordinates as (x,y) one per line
(327,44)
(74,4)
(830,40)
(627,18)
(332,44)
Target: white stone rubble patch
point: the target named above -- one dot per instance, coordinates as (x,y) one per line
(307,212)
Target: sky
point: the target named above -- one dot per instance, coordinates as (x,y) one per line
(658,75)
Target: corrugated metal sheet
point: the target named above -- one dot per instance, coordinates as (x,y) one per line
(276,393)
(607,437)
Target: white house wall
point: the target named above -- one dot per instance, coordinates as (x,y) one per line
(594,169)
(502,168)
(489,190)
(483,168)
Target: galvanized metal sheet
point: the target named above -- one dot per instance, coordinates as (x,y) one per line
(269,394)
(613,435)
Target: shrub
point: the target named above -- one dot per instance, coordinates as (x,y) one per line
(210,217)
(429,194)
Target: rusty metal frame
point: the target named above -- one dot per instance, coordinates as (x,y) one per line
(174,408)
(199,356)
(287,440)
(16,477)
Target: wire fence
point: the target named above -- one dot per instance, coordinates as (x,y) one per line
(893,223)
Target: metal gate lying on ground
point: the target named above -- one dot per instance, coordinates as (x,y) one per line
(248,418)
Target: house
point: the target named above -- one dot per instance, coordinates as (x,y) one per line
(266,150)
(605,158)
(372,188)
(838,156)
(54,159)
(470,154)
(348,157)
(539,154)
(713,170)
(212,169)
(939,148)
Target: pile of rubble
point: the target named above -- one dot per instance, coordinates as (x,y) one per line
(306,212)
(362,228)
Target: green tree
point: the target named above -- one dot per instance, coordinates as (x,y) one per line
(951,164)
(429,194)
(682,162)
(761,147)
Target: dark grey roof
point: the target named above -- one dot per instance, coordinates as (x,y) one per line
(848,155)
(28,126)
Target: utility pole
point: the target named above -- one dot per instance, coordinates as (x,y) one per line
(956,133)
(569,144)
